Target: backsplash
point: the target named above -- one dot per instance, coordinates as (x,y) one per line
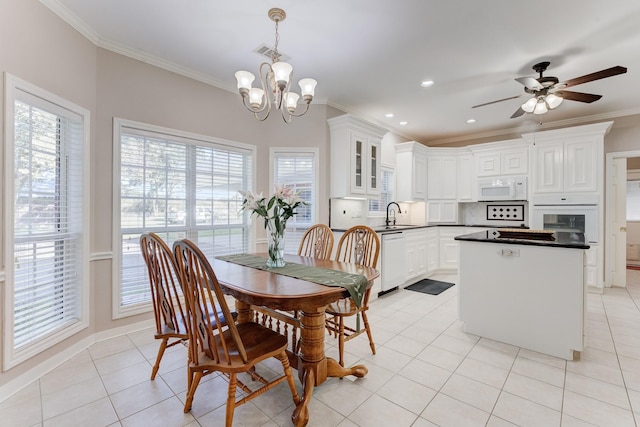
(493,213)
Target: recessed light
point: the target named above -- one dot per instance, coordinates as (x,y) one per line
(427,83)
(471,121)
(388,115)
(403,123)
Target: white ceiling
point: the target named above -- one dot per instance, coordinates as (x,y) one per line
(369,56)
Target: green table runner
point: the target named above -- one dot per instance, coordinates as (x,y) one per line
(356,284)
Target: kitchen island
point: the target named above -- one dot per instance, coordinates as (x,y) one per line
(524,288)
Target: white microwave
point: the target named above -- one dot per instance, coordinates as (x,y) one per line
(502,188)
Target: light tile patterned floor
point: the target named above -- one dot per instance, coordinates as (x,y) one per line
(427,372)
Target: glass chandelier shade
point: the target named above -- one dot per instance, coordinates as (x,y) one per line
(275,81)
(541,104)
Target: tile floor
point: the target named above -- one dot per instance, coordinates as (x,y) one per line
(427,372)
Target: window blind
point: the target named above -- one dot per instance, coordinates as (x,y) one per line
(48,189)
(177,187)
(297,170)
(379,205)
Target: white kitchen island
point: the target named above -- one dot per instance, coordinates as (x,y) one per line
(525,292)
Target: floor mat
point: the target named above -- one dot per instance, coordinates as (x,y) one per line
(428,286)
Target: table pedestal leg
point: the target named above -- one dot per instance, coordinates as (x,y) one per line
(244,312)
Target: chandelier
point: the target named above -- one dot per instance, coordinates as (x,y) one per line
(275,80)
(542,103)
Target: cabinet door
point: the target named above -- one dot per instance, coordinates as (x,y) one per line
(442,177)
(448,253)
(373,167)
(433,250)
(358,164)
(488,164)
(442,211)
(466,178)
(580,166)
(514,162)
(419,177)
(548,160)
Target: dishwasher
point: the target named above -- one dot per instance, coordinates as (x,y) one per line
(393,260)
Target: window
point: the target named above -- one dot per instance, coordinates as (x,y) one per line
(633,200)
(47,215)
(177,185)
(378,206)
(297,169)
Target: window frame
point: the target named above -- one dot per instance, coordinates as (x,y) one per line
(119,124)
(382,213)
(293,151)
(11,356)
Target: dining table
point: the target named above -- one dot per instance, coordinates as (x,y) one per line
(266,287)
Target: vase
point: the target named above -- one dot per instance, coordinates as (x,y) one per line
(275,235)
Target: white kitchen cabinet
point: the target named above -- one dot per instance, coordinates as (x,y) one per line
(591,268)
(411,172)
(416,256)
(442,177)
(355,157)
(449,248)
(466,178)
(568,160)
(433,250)
(501,158)
(442,211)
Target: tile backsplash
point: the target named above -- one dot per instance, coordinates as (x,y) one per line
(492,213)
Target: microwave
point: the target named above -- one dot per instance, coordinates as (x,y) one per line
(502,188)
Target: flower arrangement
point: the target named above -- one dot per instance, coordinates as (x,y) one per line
(276,211)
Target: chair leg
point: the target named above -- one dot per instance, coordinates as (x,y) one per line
(341,339)
(282,357)
(368,329)
(195,380)
(231,400)
(163,346)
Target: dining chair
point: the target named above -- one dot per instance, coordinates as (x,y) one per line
(169,313)
(226,347)
(317,242)
(359,245)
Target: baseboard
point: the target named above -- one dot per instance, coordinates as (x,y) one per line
(15,385)
(595,289)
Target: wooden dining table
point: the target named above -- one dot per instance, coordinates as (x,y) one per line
(252,286)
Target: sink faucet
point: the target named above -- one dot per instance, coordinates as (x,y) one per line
(388,221)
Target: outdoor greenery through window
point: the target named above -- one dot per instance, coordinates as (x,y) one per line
(296,169)
(379,206)
(178,187)
(46,167)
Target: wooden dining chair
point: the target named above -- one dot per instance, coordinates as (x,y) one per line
(359,245)
(220,346)
(168,309)
(317,242)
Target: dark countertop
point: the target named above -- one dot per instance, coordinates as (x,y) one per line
(557,239)
(400,227)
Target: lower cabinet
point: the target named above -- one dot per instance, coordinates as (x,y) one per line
(433,250)
(591,270)
(449,248)
(416,256)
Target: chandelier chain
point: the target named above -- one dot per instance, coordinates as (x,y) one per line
(274,54)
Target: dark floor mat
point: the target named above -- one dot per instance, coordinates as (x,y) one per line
(428,286)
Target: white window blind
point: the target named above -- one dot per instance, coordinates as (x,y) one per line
(298,171)
(48,246)
(378,206)
(177,187)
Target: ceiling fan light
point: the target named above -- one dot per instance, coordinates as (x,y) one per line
(529,105)
(553,101)
(541,107)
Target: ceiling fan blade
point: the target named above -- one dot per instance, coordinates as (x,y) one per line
(518,113)
(530,83)
(577,96)
(499,100)
(609,72)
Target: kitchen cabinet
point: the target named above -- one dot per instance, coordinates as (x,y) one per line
(449,248)
(466,178)
(568,160)
(355,157)
(442,177)
(411,171)
(433,250)
(501,158)
(416,254)
(591,269)
(442,211)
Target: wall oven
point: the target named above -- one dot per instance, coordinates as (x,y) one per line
(573,214)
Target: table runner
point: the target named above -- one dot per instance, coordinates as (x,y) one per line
(356,284)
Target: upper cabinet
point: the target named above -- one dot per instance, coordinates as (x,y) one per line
(442,174)
(568,160)
(501,158)
(355,157)
(411,172)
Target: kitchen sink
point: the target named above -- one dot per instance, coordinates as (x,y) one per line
(394,227)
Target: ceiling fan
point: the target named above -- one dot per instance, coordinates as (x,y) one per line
(548,92)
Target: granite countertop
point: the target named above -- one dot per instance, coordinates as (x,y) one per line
(557,239)
(400,227)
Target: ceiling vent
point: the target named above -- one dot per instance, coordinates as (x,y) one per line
(266,51)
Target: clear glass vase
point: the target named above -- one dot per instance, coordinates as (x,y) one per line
(275,235)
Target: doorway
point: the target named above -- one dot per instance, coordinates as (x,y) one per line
(616,216)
